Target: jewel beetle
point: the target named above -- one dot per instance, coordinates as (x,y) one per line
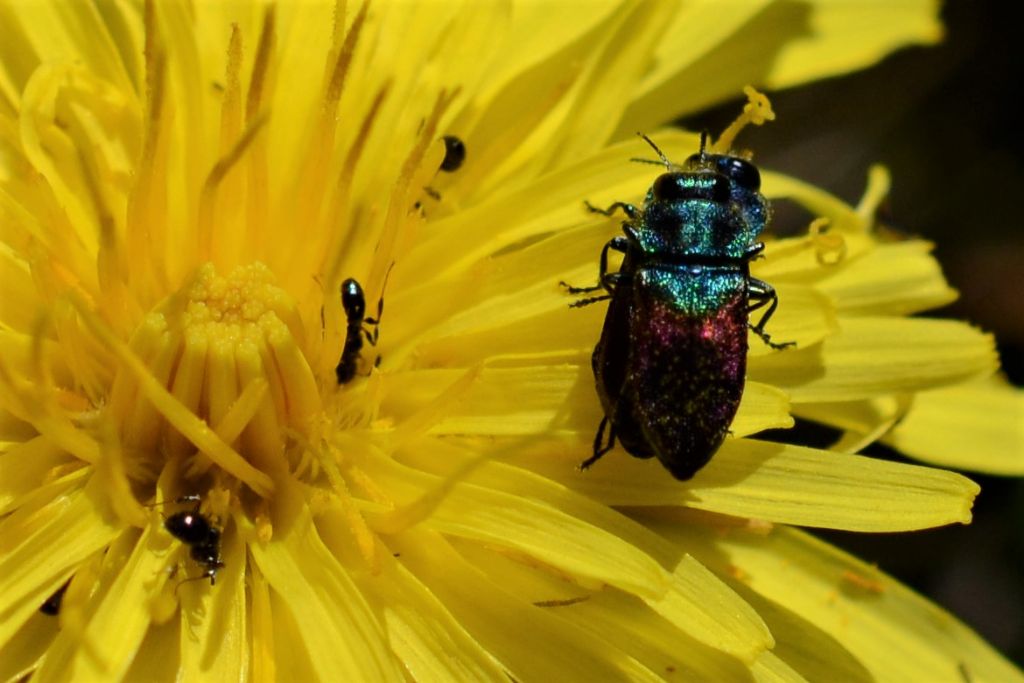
(671,361)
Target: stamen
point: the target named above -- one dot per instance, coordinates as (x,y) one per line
(208,197)
(879,183)
(756,111)
(146,214)
(829,247)
(264,49)
(337,82)
(341,195)
(413,174)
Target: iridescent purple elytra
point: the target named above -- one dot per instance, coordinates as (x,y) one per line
(671,362)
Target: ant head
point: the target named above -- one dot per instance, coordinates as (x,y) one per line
(352,299)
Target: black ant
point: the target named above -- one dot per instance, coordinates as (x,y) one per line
(454,154)
(198,532)
(454,157)
(357,327)
(52,605)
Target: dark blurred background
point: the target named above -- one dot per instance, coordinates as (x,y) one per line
(945,121)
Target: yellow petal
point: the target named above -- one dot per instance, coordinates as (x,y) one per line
(800,645)
(719,619)
(117,618)
(612,72)
(623,622)
(841,37)
(22,654)
(546,205)
(431,643)
(693,599)
(896,634)
(877,355)
(548,649)
(73,521)
(331,615)
(976,426)
(863,422)
(804,316)
(224,654)
(770,668)
(779,483)
(550,399)
(771,44)
(894,279)
(574,535)
(155,660)
(24,466)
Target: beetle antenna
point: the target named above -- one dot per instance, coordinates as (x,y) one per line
(661,155)
(703,146)
(646,161)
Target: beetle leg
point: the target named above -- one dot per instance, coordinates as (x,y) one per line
(755,251)
(610,280)
(628,209)
(762,294)
(599,448)
(605,280)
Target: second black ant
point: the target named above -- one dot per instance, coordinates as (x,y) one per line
(199,533)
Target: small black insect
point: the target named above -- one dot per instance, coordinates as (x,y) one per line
(670,365)
(52,604)
(358,328)
(454,153)
(197,531)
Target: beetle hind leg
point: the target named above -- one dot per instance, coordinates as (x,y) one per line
(600,448)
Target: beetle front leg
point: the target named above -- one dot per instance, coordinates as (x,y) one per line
(605,280)
(628,209)
(760,294)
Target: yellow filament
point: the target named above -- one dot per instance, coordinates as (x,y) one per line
(756,111)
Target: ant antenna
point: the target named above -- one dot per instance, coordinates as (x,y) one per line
(190,498)
(661,155)
(208,574)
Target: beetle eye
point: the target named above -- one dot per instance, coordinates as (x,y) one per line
(740,171)
(667,187)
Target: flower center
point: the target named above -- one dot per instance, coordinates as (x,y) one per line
(229,351)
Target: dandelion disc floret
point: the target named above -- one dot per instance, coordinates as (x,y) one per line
(229,349)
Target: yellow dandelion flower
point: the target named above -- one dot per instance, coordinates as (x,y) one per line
(223,459)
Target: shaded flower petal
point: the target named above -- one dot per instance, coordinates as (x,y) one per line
(770,44)
(330,614)
(893,632)
(53,517)
(116,618)
(785,484)
(977,426)
(877,355)
(893,279)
